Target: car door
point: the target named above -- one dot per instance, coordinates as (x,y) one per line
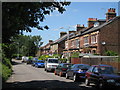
(73,70)
(95,75)
(69,71)
(57,69)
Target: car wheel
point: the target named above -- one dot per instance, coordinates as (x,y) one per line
(74,78)
(60,74)
(55,73)
(87,83)
(66,76)
(100,85)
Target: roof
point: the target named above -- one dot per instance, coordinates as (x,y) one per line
(101,26)
(62,38)
(93,29)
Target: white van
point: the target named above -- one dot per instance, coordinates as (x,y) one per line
(51,64)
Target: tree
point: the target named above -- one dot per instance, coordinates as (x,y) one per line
(22,16)
(26,45)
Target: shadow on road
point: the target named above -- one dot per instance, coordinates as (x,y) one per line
(47,85)
(15,63)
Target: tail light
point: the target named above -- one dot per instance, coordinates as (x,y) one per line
(64,69)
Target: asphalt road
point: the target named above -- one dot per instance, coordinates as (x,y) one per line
(27,76)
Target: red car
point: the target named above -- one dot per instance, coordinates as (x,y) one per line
(102,76)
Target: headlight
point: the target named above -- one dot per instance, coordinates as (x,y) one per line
(79,70)
(110,80)
(49,66)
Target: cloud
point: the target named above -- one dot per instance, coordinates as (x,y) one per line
(68,27)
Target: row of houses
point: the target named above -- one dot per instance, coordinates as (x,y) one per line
(99,36)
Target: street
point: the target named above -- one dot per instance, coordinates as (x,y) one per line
(27,76)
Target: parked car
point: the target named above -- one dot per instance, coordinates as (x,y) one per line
(77,71)
(62,68)
(102,76)
(25,59)
(39,63)
(34,60)
(51,64)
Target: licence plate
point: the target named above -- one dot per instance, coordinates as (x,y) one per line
(117,84)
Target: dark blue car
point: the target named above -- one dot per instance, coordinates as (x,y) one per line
(103,76)
(39,63)
(77,72)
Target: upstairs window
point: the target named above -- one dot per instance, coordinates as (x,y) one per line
(86,40)
(94,39)
(77,43)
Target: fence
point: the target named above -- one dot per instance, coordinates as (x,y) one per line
(94,60)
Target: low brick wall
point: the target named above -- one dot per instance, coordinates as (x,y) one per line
(95,61)
(75,60)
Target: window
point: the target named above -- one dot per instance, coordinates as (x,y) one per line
(66,45)
(90,69)
(72,43)
(77,43)
(94,39)
(95,69)
(86,40)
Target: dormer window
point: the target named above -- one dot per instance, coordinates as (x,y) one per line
(96,24)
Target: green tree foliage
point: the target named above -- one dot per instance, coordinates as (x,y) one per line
(22,16)
(111,53)
(75,55)
(26,45)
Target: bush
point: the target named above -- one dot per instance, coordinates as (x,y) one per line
(7,62)
(43,57)
(6,72)
(30,57)
(63,60)
(75,54)
(111,53)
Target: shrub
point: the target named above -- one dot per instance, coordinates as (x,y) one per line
(6,72)
(7,62)
(63,60)
(75,54)
(111,53)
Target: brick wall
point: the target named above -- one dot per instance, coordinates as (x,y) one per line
(110,34)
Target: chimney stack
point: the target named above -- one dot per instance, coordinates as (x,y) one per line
(91,22)
(79,27)
(62,34)
(71,32)
(110,14)
(50,41)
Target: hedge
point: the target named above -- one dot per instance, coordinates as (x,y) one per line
(6,72)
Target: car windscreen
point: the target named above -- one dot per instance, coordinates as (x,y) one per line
(83,66)
(106,70)
(52,61)
(40,61)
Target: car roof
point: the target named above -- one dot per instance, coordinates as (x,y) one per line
(81,64)
(65,63)
(102,65)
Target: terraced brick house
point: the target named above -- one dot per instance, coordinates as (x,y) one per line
(100,36)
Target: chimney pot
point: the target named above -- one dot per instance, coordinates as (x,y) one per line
(62,34)
(110,14)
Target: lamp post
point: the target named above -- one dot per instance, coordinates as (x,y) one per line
(103,44)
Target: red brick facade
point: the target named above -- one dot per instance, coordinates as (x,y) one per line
(100,36)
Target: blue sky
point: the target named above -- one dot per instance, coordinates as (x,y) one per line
(76,13)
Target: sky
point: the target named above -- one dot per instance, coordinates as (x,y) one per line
(76,13)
